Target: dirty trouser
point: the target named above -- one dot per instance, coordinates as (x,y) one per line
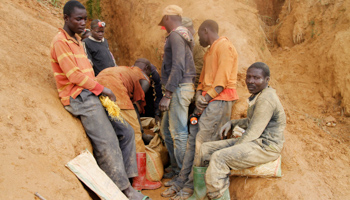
(113,142)
(174,124)
(223,156)
(186,169)
(214,116)
(131,117)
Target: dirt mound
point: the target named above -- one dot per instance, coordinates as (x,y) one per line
(304,43)
(38,137)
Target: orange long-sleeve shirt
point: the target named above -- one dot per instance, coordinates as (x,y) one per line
(220,69)
(72,69)
(125,84)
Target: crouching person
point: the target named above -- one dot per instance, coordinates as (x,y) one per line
(129,84)
(260,143)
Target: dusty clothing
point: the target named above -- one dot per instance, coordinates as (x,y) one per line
(131,117)
(153,95)
(72,70)
(99,54)
(214,116)
(125,84)
(198,54)
(178,74)
(174,124)
(178,66)
(225,155)
(113,142)
(265,120)
(220,69)
(261,143)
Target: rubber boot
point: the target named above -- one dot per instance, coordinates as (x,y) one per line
(200,190)
(140,182)
(225,196)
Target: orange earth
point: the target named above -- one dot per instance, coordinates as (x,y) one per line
(305,43)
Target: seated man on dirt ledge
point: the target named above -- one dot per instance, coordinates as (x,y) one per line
(113,143)
(260,143)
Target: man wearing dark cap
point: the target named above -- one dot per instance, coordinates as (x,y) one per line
(97,48)
(178,74)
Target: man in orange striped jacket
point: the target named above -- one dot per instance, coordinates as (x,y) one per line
(79,92)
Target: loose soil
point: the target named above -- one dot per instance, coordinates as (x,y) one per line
(304,43)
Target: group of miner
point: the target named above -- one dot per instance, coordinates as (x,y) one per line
(198,78)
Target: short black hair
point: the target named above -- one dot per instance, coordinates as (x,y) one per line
(70,5)
(262,66)
(210,24)
(94,23)
(143,60)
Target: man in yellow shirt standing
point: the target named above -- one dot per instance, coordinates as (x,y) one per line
(215,96)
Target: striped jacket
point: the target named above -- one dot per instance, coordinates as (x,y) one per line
(72,69)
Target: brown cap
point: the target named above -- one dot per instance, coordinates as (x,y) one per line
(171,10)
(187,22)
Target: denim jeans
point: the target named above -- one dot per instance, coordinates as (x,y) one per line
(113,142)
(174,124)
(214,116)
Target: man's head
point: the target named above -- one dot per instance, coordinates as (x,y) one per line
(187,22)
(98,29)
(74,15)
(257,78)
(144,65)
(171,17)
(207,31)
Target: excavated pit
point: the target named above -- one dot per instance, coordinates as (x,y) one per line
(311,76)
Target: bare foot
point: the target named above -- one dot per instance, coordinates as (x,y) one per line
(132,194)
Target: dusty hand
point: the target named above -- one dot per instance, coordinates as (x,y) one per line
(224,129)
(109,93)
(164,104)
(197,111)
(201,103)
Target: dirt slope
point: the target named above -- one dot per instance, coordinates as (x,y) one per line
(304,42)
(38,137)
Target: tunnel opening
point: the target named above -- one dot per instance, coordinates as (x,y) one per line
(269,10)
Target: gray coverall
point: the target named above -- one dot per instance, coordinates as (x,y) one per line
(262,142)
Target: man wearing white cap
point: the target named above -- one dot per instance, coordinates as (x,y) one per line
(178,75)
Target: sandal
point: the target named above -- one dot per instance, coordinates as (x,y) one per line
(170,192)
(181,195)
(171,182)
(146,197)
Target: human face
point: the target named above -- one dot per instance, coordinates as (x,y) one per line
(166,23)
(256,81)
(203,37)
(76,22)
(98,33)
